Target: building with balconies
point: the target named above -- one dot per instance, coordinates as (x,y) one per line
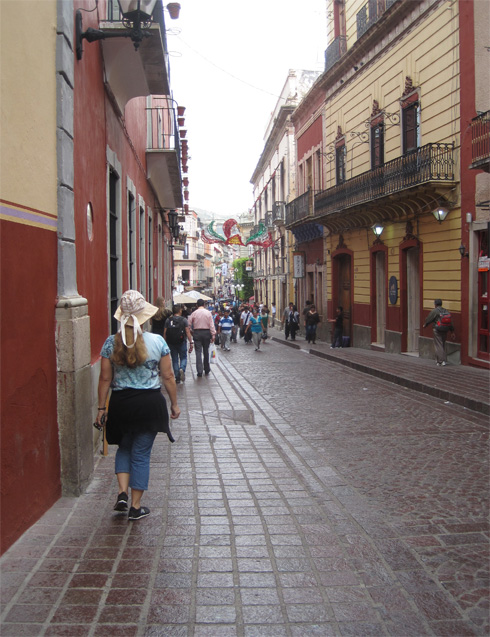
(475,180)
(91,164)
(388,168)
(273,181)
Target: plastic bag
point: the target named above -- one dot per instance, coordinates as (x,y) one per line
(212,353)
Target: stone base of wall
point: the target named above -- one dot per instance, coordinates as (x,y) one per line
(393,342)
(75,394)
(426,350)
(361,337)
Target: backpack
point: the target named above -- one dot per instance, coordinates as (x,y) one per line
(444,322)
(175,331)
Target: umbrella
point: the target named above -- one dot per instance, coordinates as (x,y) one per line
(197,295)
(186,299)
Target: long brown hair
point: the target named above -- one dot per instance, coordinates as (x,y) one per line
(129,356)
(160,303)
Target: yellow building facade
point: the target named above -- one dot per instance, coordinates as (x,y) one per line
(389,157)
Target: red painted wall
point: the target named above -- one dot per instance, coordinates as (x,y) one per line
(468,177)
(30,478)
(310,138)
(96,128)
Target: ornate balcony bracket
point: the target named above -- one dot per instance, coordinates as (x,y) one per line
(362,136)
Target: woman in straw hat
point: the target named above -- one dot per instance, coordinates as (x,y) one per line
(133,364)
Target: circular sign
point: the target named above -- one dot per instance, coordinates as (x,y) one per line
(393,290)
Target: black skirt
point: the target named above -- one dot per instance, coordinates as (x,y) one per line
(134,410)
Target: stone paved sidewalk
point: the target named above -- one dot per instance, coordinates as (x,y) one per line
(301,497)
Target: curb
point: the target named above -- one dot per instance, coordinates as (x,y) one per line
(436,392)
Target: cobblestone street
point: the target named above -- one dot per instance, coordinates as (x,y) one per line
(301,497)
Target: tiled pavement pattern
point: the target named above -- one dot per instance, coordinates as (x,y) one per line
(301,497)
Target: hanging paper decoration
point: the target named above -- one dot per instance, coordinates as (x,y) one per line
(260,238)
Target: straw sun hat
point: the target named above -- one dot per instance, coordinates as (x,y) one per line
(133,311)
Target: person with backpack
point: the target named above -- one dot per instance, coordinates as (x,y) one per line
(177,334)
(442,325)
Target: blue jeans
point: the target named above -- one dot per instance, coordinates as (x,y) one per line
(311,333)
(133,457)
(179,358)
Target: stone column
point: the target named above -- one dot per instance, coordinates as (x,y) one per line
(75,396)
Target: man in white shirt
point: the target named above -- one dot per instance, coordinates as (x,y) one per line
(202,325)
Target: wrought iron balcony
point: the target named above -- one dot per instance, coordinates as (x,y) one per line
(300,208)
(480,142)
(268,219)
(163,155)
(335,51)
(428,164)
(279,213)
(368,15)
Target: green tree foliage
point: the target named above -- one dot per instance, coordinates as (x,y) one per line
(242,276)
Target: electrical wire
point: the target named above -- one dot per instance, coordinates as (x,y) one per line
(238,79)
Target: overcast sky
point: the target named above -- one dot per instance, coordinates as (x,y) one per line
(229,61)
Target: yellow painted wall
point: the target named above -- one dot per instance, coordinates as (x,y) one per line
(28,171)
(429,54)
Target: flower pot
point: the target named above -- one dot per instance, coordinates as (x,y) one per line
(181,121)
(182,133)
(174,10)
(184,168)
(186,195)
(180,111)
(185,181)
(186,208)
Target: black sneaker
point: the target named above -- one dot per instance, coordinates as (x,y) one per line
(136,514)
(121,502)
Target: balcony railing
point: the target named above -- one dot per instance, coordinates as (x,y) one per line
(162,129)
(269,219)
(278,213)
(480,141)
(433,162)
(368,15)
(163,154)
(335,51)
(299,208)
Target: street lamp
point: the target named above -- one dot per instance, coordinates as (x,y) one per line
(136,17)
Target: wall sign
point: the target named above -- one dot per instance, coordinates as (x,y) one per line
(298,265)
(393,290)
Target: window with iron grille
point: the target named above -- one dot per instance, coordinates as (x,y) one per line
(340,163)
(377,145)
(411,126)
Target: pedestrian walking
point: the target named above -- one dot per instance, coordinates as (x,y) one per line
(177,335)
(254,327)
(201,323)
(225,328)
(442,326)
(158,321)
(130,366)
(245,317)
(312,318)
(291,321)
(264,319)
(338,328)
(273,314)
(235,315)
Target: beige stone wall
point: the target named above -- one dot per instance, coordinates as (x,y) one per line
(28,94)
